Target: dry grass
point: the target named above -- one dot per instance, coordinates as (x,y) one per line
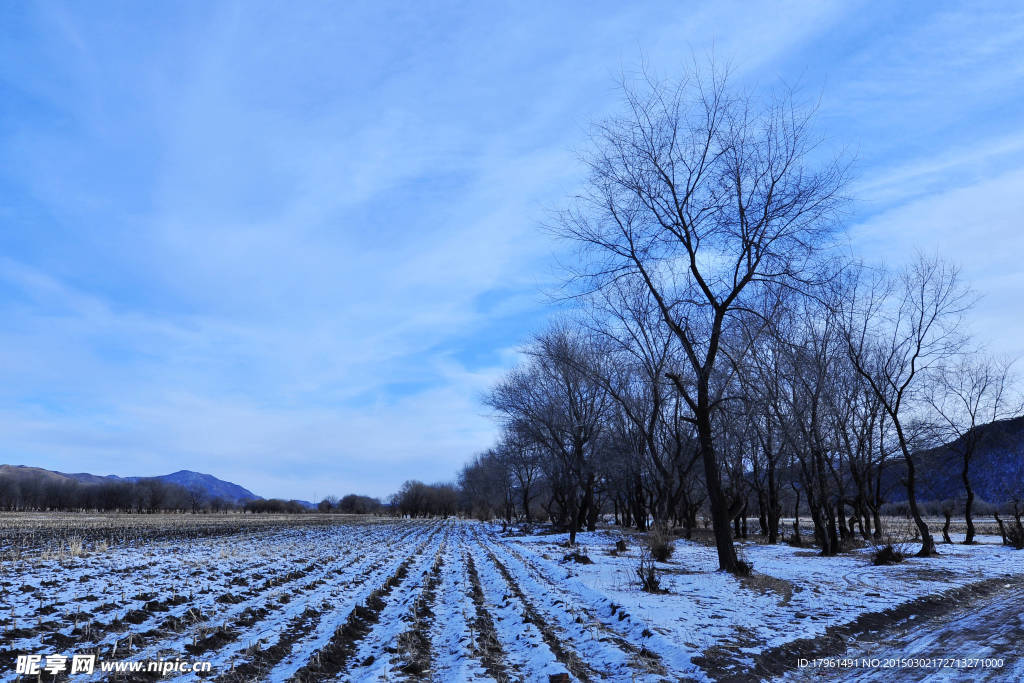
(660,543)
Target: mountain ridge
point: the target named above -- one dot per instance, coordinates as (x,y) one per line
(209,486)
(996,469)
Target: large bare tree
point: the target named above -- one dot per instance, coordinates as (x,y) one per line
(709,198)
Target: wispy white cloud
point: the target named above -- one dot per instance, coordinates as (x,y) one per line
(978,227)
(944,168)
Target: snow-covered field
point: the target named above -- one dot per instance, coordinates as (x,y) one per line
(453,601)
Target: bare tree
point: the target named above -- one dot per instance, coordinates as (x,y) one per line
(486,485)
(808,357)
(522,458)
(196,499)
(557,402)
(709,199)
(900,332)
(966,396)
(638,349)
(762,385)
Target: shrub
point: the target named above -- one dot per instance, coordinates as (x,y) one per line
(647,572)
(660,544)
(744,567)
(75,546)
(853,543)
(887,555)
(578,558)
(896,542)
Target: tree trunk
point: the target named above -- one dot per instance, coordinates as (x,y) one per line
(927,542)
(833,535)
(1002,529)
(727,560)
(573,515)
(844,532)
(796,519)
(968,505)
(762,513)
(774,508)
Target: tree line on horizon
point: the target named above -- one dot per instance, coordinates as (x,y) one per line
(36,492)
(22,491)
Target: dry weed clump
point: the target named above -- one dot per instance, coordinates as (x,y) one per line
(578,557)
(886,555)
(660,543)
(647,573)
(895,543)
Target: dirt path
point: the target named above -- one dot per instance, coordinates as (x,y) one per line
(990,627)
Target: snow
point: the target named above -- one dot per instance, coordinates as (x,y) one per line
(549,615)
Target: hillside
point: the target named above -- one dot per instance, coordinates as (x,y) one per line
(996,471)
(24,474)
(208,485)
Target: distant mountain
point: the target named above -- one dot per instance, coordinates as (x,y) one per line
(210,486)
(24,473)
(996,470)
(91,478)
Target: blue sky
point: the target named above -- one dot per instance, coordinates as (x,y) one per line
(291,244)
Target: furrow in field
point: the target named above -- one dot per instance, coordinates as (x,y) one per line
(393,648)
(230,629)
(299,630)
(531,649)
(452,640)
(162,600)
(655,653)
(161,603)
(486,643)
(590,651)
(161,585)
(272,620)
(336,638)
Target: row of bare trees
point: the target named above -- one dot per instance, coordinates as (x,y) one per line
(416,499)
(26,492)
(725,356)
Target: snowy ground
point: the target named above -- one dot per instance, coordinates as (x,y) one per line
(988,632)
(461,601)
